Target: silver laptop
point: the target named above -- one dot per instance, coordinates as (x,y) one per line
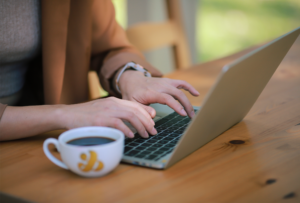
(227,103)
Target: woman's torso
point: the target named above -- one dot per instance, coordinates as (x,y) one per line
(20,41)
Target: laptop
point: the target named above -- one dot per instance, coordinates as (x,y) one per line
(226,104)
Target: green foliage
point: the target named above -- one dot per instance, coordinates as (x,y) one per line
(227,26)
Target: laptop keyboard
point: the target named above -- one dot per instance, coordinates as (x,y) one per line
(169,130)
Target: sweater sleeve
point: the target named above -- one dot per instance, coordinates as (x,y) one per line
(110,46)
(2,109)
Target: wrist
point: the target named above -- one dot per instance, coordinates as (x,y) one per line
(58,116)
(128,67)
(114,84)
(129,75)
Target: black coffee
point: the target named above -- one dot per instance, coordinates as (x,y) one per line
(90,141)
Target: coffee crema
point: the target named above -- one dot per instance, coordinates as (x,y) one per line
(90,141)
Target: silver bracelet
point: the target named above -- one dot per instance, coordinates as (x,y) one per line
(133,66)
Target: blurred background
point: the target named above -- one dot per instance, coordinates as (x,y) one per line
(214,28)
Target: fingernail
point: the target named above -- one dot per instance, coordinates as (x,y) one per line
(183,112)
(153,122)
(131,135)
(192,113)
(146,134)
(154,131)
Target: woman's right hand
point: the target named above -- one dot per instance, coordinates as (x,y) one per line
(110,112)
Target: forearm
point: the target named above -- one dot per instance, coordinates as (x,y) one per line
(19,122)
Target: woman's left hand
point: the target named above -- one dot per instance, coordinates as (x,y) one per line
(136,87)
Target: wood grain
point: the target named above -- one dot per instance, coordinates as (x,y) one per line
(257,160)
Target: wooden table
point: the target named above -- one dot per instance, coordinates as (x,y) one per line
(264,166)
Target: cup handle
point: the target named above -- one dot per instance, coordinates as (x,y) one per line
(49,155)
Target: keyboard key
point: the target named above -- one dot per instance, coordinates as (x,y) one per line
(151,157)
(132,152)
(159,130)
(128,148)
(164,149)
(157,145)
(140,156)
(162,152)
(178,119)
(172,128)
(132,144)
(184,122)
(161,135)
(168,131)
(151,141)
(170,150)
(172,115)
(180,131)
(169,124)
(174,135)
(184,126)
(164,126)
(140,140)
(145,145)
(151,149)
(155,137)
(161,122)
(145,153)
(177,125)
(163,141)
(170,145)
(137,136)
(156,153)
(140,148)
(128,141)
(168,138)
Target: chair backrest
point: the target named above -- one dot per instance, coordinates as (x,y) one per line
(95,89)
(148,36)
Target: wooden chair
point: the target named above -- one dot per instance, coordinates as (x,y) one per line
(148,36)
(95,89)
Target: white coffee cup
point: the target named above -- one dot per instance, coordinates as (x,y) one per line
(88,161)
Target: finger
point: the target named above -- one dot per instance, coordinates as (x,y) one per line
(149,109)
(135,122)
(181,84)
(181,97)
(147,122)
(167,99)
(118,124)
(140,108)
(140,111)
